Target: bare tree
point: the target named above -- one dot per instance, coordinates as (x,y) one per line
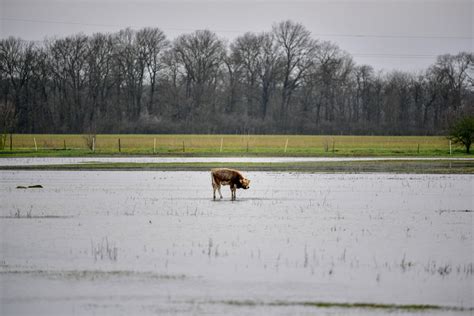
(453,73)
(363,76)
(154,43)
(201,56)
(257,62)
(326,85)
(245,52)
(269,66)
(7,121)
(298,51)
(17,63)
(100,66)
(130,57)
(69,65)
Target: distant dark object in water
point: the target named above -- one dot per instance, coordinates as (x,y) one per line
(36,186)
(455,211)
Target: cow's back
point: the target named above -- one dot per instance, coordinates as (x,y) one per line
(225,176)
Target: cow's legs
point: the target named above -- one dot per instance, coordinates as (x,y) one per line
(213,186)
(232,192)
(218,188)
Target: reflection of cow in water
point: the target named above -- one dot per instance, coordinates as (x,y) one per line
(234,178)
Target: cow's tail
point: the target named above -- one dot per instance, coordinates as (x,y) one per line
(213,178)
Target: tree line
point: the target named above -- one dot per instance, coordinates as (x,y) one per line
(281,81)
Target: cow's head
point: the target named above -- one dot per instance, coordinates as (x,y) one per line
(245,183)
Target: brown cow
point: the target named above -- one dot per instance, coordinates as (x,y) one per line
(224,176)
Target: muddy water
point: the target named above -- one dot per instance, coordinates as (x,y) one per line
(126,242)
(80,160)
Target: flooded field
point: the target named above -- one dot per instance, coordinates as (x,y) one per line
(126,243)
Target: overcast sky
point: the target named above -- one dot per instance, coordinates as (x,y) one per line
(403,34)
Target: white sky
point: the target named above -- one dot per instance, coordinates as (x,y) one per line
(387,34)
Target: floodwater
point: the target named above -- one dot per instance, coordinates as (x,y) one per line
(38,161)
(129,242)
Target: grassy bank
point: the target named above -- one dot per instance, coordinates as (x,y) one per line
(383,166)
(30,145)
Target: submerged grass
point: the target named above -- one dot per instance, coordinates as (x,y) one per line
(93,274)
(361,305)
(382,166)
(18,216)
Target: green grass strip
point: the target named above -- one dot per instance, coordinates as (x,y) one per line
(383,166)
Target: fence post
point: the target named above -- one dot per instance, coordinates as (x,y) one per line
(11,141)
(120,146)
(183,147)
(154,145)
(286,144)
(36,146)
(222,143)
(450,148)
(64,144)
(93,144)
